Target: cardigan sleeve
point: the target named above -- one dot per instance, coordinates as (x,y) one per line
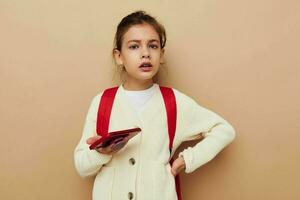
(195,121)
(88,162)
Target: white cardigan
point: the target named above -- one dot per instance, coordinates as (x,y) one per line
(141,170)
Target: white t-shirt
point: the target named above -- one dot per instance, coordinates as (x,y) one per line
(139,98)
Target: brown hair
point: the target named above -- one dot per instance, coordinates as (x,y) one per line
(135,18)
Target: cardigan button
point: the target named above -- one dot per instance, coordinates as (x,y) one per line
(130,195)
(132,161)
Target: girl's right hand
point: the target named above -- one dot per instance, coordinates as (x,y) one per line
(112,148)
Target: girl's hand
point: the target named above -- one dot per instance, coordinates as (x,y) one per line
(112,148)
(93,139)
(177,166)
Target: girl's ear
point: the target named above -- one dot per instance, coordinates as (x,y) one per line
(162,53)
(118,57)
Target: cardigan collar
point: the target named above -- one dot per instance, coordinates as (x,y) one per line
(152,106)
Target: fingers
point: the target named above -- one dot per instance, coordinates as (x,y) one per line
(126,139)
(106,150)
(119,145)
(92,139)
(173,172)
(177,166)
(113,147)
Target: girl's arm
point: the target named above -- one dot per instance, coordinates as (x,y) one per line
(194,122)
(88,162)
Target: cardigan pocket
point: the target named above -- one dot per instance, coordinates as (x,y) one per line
(164,182)
(103,183)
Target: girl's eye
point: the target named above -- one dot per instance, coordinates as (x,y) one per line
(133,46)
(153,46)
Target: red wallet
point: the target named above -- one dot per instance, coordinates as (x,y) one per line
(115,136)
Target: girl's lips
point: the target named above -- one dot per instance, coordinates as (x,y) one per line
(146,66)
(146,69)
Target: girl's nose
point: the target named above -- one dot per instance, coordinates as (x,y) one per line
(145,56)
(145,53)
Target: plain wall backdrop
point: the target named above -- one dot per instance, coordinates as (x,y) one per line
(239,58)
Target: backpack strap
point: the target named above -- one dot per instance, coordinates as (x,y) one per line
(170,104)
(171,108)
(104,110)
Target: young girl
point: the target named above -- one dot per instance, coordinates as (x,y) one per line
(140,169)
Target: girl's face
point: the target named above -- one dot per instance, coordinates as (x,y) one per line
(140,45)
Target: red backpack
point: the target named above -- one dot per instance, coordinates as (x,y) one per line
(105,108)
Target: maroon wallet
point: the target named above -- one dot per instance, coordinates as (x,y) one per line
(114,137)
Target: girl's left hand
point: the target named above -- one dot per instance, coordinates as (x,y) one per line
(177,165)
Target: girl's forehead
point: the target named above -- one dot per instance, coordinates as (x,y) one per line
(141,32)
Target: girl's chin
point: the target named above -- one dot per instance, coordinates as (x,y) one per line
(145,75)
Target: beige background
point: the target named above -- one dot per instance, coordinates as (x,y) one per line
(238,58)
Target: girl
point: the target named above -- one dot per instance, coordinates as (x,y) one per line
(140,169)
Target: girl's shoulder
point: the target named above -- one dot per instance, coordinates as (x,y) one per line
(95,100)
(183,100)
(182,97)
(98,95)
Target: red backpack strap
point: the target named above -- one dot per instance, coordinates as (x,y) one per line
(170,104)
(104,110)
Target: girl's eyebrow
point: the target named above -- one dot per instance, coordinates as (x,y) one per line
(152,40)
